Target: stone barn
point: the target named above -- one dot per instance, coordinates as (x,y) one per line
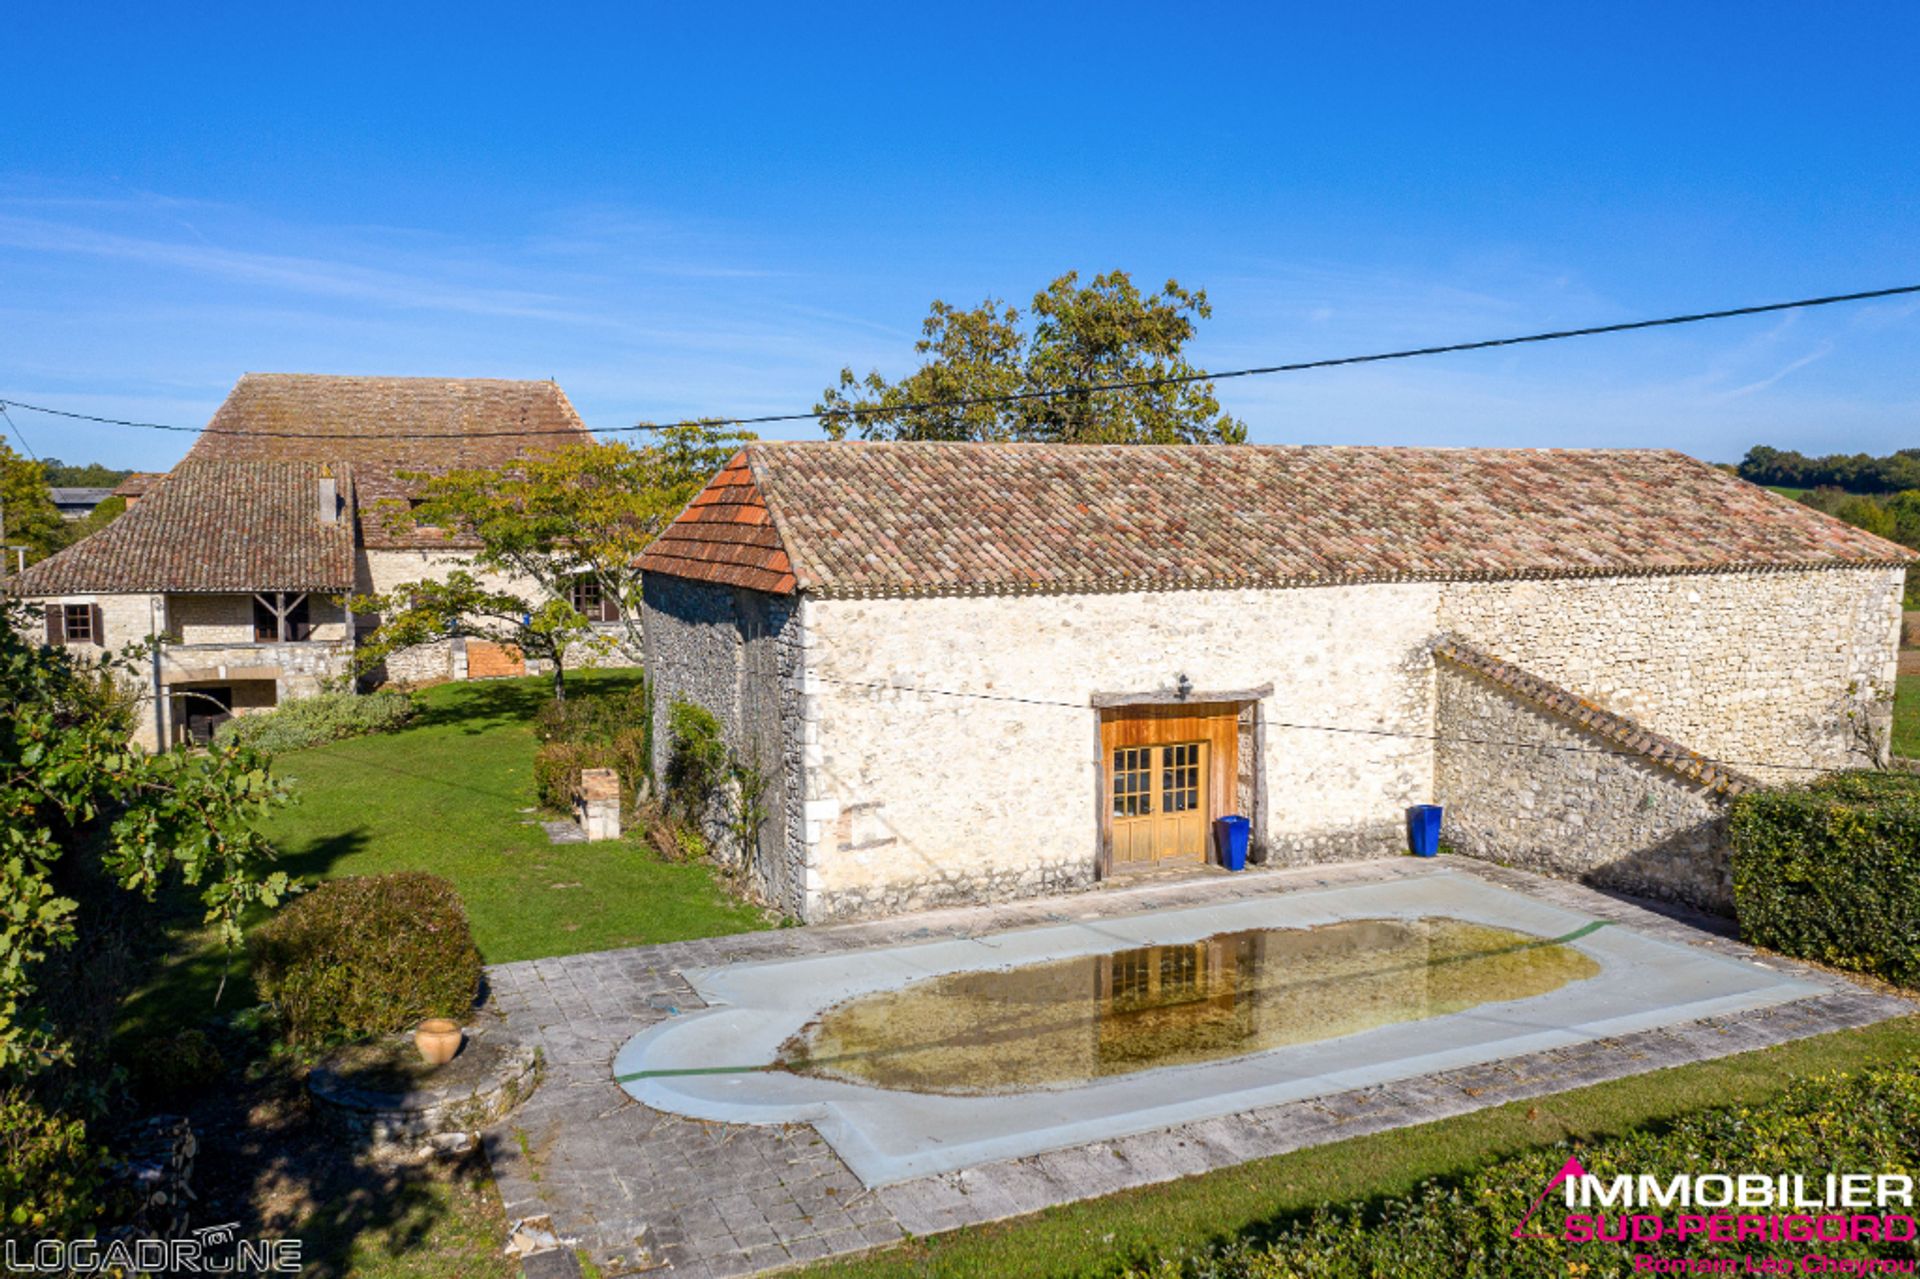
(970,671)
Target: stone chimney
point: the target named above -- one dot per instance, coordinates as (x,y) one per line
(329,499)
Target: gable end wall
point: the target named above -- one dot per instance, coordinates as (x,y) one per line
(739,654)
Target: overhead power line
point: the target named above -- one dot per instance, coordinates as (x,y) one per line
(13,429)
(1042,393)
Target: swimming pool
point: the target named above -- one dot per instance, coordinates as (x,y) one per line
(913,1059)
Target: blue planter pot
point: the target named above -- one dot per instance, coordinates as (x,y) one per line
(1231,835)
(1423,829)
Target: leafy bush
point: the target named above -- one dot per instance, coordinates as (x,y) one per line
(173,1068)
(1463,1226)
(367,955)
(1831,872)
(50,1175)
(595,730)
(556,767)
(696,758)
(328,717)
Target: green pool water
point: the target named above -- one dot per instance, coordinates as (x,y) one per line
(1072,1021)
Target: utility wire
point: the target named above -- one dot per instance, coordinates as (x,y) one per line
(13,429)
(1043,393)
(1402,734)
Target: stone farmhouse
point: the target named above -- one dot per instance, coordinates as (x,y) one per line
(242,557)
(973,671)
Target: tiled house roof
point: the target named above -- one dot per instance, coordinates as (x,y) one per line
(318,417)
(724,535)
(215,526)
(1627,736)
(911,519)
(135,486)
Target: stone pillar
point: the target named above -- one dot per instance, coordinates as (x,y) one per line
(596,803)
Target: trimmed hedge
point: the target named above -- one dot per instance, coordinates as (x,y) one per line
(1462,1228)
(365,956)
(1831,872)
(327,717)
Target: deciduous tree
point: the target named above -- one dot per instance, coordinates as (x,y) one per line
(1074,337)
(71,786)
(545,523)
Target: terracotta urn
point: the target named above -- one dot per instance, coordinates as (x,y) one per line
(438,1039)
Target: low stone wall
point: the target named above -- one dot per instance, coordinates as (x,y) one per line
(1524,787)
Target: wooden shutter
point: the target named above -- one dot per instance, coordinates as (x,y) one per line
(57,624)
(609,610)
(99,626)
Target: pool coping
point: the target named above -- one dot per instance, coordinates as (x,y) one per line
(639,1189)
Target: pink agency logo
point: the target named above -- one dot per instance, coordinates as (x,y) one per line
(1788,1213)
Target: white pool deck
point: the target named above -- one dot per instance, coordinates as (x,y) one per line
(888,1136)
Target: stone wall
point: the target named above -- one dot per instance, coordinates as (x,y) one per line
(916,798)
(228,619)
(1526,788)
(736,653)
(946,749)
(1754,668)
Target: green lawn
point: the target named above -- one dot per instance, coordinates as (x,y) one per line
(1099,1236)
(452,794)
(1906,717)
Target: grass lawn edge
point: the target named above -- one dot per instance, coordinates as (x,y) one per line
(1099,1236)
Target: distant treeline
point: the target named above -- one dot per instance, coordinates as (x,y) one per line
(1853,473)
(91,475)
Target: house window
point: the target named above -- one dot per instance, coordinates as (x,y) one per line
(591,602)
(77,624)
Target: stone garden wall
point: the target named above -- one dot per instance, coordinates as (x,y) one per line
(1525,787)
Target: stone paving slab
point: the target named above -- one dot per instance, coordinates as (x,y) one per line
(641,1190)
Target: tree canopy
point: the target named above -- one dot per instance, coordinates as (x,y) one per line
(1853,472)
(71,786)
(26,505)
(545,523)
(81,475)
(1072,337)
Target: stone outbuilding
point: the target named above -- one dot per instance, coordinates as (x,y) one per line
(970,671)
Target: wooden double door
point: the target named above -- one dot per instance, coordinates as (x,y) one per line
(1170,770)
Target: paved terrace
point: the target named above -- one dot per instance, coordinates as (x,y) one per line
(638,1189)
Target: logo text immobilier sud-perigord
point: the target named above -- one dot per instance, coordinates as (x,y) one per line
(1787,1216)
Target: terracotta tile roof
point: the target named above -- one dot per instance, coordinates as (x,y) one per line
(214,526)
(1625,734)
(894,519)
(724,535)
(137,484)
(380,492)
(349,413)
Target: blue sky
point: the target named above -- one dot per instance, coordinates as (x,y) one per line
(682,210)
